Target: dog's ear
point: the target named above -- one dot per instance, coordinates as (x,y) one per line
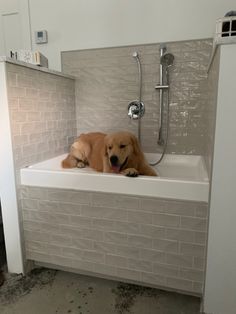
(136,146)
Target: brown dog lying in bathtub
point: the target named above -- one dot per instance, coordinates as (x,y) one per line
(113,153)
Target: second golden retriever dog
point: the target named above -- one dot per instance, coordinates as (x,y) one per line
(112,153)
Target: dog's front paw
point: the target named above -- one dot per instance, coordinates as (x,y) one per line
(81,164)
(130,172)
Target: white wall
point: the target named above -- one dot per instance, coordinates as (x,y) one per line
(8,198)
(220,286)
(81,24)
(14,26)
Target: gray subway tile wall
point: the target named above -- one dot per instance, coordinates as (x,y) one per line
(107,80)
(162,252)
(42,114)
(42,119)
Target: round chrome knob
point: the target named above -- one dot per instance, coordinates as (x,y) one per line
(136,110)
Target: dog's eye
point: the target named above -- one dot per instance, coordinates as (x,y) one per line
(122,146)
(110,147)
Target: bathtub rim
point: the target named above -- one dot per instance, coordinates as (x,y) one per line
(154,187)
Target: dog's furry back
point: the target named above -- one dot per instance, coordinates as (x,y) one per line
(88,148)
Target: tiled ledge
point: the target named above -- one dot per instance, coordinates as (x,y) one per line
(35,67)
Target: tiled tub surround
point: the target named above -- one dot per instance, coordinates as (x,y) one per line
(107,80)
(155,242)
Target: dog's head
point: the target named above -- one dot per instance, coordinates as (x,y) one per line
(120,147)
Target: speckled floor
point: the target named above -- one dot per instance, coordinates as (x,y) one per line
(47,291)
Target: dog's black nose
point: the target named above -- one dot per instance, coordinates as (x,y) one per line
(113,160)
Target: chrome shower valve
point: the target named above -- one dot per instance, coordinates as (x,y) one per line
(136,110)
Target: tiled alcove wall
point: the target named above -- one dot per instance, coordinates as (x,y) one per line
(107,80)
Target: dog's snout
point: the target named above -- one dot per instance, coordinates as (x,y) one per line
(114,159)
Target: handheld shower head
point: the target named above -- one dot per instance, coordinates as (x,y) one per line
(167,59)
(135,54)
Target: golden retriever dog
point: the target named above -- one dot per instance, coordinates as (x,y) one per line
(112,153)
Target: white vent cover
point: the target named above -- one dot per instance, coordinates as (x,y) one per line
(225,34)
(226,30)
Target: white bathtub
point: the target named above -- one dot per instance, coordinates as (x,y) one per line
(180,177)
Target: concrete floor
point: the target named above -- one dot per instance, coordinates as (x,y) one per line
(46,291)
